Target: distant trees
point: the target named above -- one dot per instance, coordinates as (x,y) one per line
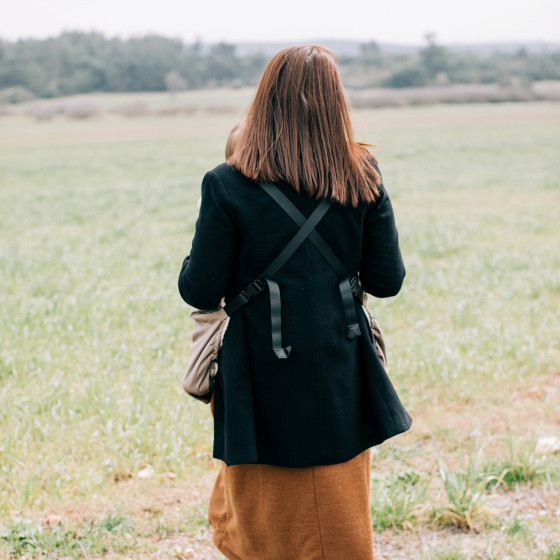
(175,82)
(436,65)
(434,59)
(409,76)
(431,67)
(83,62)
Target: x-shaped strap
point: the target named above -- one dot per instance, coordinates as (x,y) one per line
(307,230)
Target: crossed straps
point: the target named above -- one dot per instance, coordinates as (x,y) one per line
(348,288)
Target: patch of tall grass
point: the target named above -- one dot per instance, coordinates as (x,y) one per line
(464,489)
(521,466)
(399,500)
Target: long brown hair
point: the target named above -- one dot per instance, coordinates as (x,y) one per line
(298,129)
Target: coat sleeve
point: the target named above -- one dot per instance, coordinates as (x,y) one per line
(382,269)
(207,270)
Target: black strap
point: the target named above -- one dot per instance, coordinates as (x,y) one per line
(286,204)
(348,288)
(303,233)
(257,286)
(276,320)
(244,297)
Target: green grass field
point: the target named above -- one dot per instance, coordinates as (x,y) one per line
(95,219)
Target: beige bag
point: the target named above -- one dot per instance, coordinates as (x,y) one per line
(378,339)
(208,332)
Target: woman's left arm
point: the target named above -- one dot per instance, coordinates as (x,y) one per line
(206,272)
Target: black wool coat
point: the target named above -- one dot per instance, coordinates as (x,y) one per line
(331,398)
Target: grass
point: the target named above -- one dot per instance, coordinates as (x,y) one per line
(521,466)
(95,219)
(464,488)
(553,553)
(113,533)
(447,553)
(514,526)
(398,500)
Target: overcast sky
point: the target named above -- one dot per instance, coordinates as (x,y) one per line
(393,21)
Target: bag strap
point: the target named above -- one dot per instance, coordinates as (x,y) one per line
(286,204)
(258,285)
(348,288)
(306,228)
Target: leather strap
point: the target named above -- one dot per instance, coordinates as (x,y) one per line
(348,288)
(257,286)
(303,233)
(276,320)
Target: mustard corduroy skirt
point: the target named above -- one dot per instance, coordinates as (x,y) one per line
(263,512)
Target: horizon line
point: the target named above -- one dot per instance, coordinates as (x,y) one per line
(282,41)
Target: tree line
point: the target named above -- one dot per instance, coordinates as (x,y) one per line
(436,65)
(79,62)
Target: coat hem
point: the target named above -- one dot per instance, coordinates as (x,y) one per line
(299,465)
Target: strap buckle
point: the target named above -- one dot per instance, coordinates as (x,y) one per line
(353,331)
(357,290)
(244,297)
(253,290)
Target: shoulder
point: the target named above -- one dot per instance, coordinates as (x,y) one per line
(225,180)
(380,202)
(229,187)
(226,174)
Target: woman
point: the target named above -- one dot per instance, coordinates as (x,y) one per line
(293,431)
